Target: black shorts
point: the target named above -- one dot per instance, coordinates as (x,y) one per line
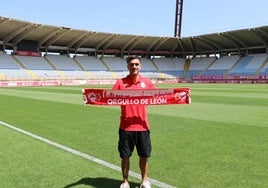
(129,139)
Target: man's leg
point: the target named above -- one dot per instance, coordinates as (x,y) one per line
(144,166)
(125,168)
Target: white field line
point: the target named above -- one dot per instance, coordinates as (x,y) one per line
(86,156)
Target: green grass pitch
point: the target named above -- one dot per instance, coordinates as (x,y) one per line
(218,141)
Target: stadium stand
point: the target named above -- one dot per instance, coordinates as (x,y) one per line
(115,63)
(248,65)
(228,56)
(7,62)
(170,67)
(62,62)
(264,69)
(59,67)
(198,65)
(221,65)
(90,63)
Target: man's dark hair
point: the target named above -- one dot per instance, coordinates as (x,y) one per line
(130,58)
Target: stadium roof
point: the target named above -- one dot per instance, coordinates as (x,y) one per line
(57,38)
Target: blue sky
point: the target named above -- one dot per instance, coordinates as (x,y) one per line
(141,17)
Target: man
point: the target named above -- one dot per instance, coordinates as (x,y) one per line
(134,130)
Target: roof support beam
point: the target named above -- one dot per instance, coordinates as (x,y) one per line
(26,33)
(54,38)
(160,43)
(16,32)
(85,38)
(111,41)
(47,37)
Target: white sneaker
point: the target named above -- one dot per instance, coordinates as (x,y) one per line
(124,185)
(145,184)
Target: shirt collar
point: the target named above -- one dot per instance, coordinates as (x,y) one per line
(139,79)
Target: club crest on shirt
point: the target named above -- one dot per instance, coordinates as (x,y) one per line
(143,85)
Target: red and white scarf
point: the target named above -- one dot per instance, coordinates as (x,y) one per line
(136,97)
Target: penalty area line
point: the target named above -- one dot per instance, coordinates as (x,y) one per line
(86,156)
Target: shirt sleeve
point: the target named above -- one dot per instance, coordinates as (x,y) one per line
(117,85)
(151,86)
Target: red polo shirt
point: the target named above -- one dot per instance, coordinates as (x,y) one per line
(134,117)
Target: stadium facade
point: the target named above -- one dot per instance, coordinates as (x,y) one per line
(42,52)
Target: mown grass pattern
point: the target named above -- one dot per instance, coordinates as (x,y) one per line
(220,140)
